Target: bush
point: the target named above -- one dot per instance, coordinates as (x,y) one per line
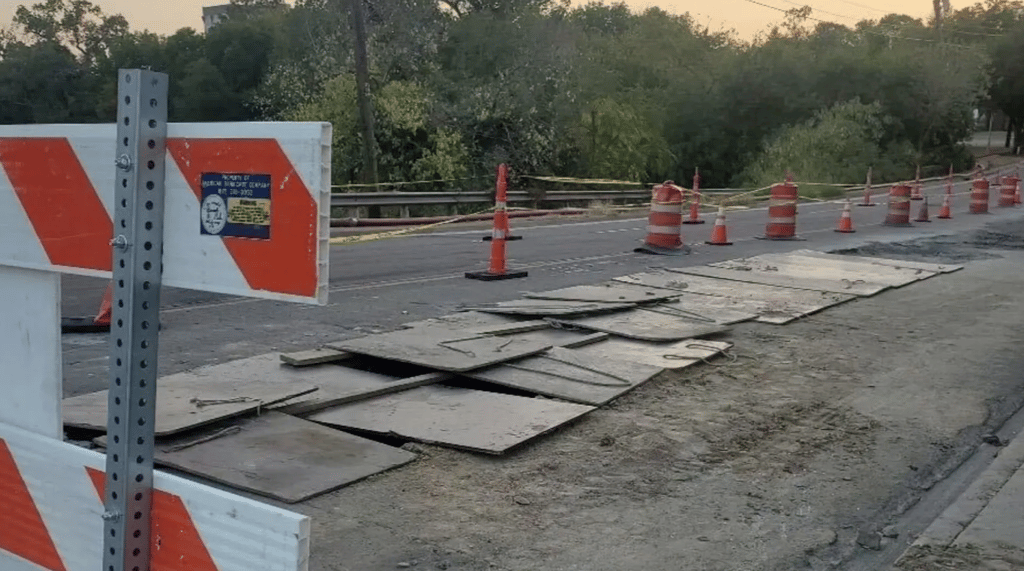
(837,146)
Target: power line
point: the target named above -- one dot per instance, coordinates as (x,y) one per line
(887,13)
(815,9)
(893,35)
(822,11)
(865,7)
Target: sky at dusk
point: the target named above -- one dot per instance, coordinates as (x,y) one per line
(747,18)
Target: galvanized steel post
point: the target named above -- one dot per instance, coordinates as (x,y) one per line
(137,266)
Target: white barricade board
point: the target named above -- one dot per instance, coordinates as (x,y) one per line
(30,359)
(247,207)
(51,508)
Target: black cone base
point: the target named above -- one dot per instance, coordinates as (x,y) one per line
(489,277)
(82,325)
(648,249)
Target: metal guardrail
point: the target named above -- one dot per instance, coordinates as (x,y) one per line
(355,199)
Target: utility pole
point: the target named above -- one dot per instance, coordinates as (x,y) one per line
(938,6)
(363,95)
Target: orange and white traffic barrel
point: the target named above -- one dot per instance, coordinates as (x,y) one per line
(979,196)
(899,206)
(664,224)
(1007,192)
(782,213)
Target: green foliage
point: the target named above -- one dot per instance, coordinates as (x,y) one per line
(77,24)
(619,143)
(41,84)
(1007,74)
(204,95)
(337,105)
(411,147)
(589,91)
(837,146)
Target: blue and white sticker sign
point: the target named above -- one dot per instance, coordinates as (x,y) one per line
(235,205)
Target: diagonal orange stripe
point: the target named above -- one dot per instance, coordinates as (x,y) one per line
(175,543)
(287,262)
(22,531)
(60,201)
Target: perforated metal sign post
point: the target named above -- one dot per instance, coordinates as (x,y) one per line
(134,337)
(237,208)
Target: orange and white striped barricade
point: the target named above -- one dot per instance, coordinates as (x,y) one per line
(52,506)
(56,200)
(233,208)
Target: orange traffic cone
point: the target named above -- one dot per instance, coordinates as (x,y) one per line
(695,203)
(1016,194)
(103,317)
(922,215)
(97,324)
(845,221)
(867,192)
(497,269)
(719,235)
(945,211)
(915,193)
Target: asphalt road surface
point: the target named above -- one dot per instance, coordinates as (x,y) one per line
(379,285)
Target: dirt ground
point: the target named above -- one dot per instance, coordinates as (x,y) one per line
(933,558)
(779,456)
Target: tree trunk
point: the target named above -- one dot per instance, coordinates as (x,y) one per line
(1009,134)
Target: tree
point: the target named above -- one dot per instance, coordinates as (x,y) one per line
(42,83)
(602,19)
(241,50)
(337,105)
(1007,90)
(509,85)
(503,8)
(618,142)
(77,24)
(838,145)
(205,95)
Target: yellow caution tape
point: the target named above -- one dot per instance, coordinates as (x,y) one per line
(360,238)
